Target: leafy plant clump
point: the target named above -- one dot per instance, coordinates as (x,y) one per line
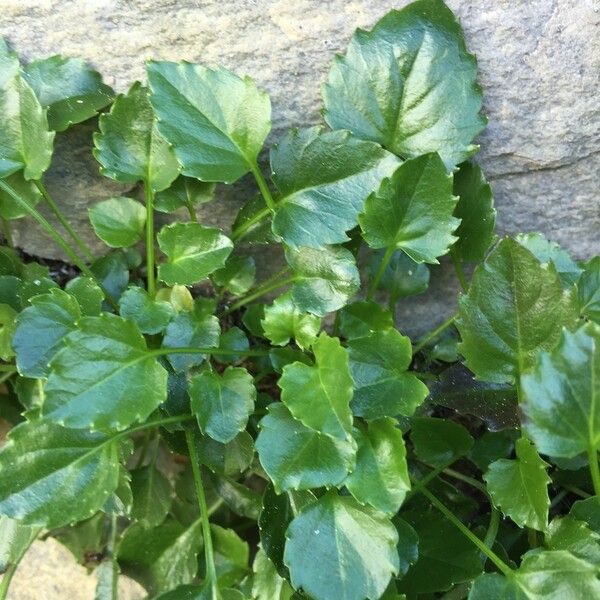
(217,438)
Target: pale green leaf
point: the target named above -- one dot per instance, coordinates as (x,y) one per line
(184,192)
(118,222)
(439,442)
(152,495)
(26,190)
(567,533)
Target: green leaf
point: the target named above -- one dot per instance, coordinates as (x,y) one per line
(52,476)
(267,583)
(8,316)
(549,575)
(356,544)
(249,219)
(324,179)
(184,192)
(446,557)
(41,329)
(319,396)
(216,121)
(408,546)
(519,487)
(151,316)
(223,402)
(567,533)
(240,499)
(324,279)
(161,558)
(84,540)
(493,403)
(402,277)
(550,252)
(412,210)
(26,190)
(237,276)
(229,459)
(233,339)
(15,538)
(560,395)
(152,496)
(283,321)
(129,147)
(112,271)
(380,477)
(191,329)
(68,88)
(118,222)
(515,308)
(298,458)
(439,442)
(588,288)
(382,385)
(409,84)
(104,377)
(88,294)
(26,142)
(362,318)
(231,555)
(587,510)
(476,212)
(193,252)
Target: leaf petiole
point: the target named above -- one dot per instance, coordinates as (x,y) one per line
(264,188)
(433,334)
(260,291)
(594,470)
(150,257)
(385,261)
(460,274)
(240,232)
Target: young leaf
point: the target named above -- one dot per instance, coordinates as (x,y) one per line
(237,276)
(151,316)
(402,277)
(320,396)
(223,402)
(362,318)
(184,192)
(324,279)
(9,209)
(359,568)
(26,142)
(229,459)
(382,385)
(216,121)
(118,222)
(439,442)
(15,538)
(193,252)
(380,477)
(88,294)
(41,329)
(519,487)
(567,533)
(412,210)
(104,377)
(240,499)
(152,496)
(560,395)
(283,321)
(112,271)
(129,147)
(588,288)
(409,84)
(550,575)
(324,173)
(476,212)
(515,308)
(68,88)
(52,476)
(298,458)
(231,555)
(233,339)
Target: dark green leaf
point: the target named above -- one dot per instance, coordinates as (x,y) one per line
(184,192)
(588,510)
(216,121)
(68,88)
(439,442)
(231,555)
(237,276)
(151,316)
(402,277)
(408,545)
(226,459)
(88,294)
(152,496)
(112,271)
(362,318)
(412,210)
(567,533)
(589,290)
(239,498)
(491,446)
(118,222)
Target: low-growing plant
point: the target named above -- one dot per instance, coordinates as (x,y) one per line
(176,422)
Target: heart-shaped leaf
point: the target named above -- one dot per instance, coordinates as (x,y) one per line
(118,222)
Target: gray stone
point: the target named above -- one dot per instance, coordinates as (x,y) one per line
(539,64)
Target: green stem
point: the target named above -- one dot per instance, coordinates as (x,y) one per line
(11,368)
(433,334)
(150,268)
(421,483)
(6,375)
(63,220)
(577,491)
(261,291)
(191,210)
(213,351)
(51,231)
(470,480)
(492,530)
(211,572)
(112,545)
(12,568)
(264,188)
(460,274)
(500,564)
(238,233)
(532,538)
(385,261)
(594,470)
(7,231)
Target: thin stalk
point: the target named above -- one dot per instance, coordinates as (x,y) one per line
(60,241)
(470,480)
(460,274)
(7,232)
(144,448)
(259,292)
(492,530)
(211,572)
(594,470)
(532,538)
(150,259)
(385,261)
(213,351)
(500,564)
(433,334)
(421,483)
(12,568)
(238,233)
(577,491)
(191,210)
(112,545)
(264,188)
(63,220)
(11,368)
(6,375)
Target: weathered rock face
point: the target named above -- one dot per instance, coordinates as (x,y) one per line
(539,67)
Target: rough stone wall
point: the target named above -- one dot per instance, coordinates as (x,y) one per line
(539,67)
